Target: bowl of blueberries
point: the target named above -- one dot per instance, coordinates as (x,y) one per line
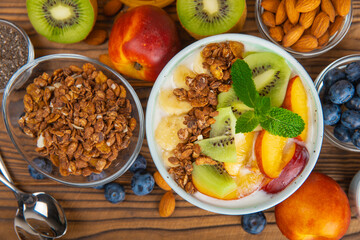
(338,86)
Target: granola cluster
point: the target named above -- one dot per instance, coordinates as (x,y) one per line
(202,94)
(81,119)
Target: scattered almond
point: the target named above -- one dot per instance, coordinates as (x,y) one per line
(167,204)
(291,12)
(342,7)
(307,18)
(307,5)
(96,37)
(161,182)
(270,5)
(320,25)
(293,35)
(335,26)
(111,7)
(105,59)
(277,33)
(280,15)
(287,26)
(328,8)
(268,18)
(324,39)
(306,43)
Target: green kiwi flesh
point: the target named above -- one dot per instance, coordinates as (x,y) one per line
(229,98)
(213,181)
(209,17)
(225,123)
(221,148)
(63,21)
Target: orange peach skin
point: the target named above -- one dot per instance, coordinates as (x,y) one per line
(142,41)
(318,210)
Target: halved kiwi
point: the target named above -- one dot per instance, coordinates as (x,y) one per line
(203,18)
(225,123)
(221,148)
(63,21)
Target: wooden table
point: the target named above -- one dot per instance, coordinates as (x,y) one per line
(90,216)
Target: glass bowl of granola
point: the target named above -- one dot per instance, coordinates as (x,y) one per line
(234,124)
(74,119)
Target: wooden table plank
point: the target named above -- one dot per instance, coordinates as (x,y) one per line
(92,217)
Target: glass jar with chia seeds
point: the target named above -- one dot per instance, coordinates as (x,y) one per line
(15,50)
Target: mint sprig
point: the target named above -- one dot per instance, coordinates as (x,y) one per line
(277,121)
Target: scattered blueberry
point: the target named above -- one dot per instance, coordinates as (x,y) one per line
(142,182)
(41,163)
(353,103)
(351,119)
(352,71)
(333,76)
(332,113)
(114,192)
(358,89)
(254,223)
(341,92)
(139,164)
(96,177)
(35,173)
(342,133)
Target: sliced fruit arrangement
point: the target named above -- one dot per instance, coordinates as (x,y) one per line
(166,132)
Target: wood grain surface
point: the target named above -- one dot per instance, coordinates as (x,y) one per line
(91,217)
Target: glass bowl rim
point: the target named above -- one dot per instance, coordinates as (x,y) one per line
(138,105)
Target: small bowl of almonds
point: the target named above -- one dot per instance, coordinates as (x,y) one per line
(79,116)
(304,28)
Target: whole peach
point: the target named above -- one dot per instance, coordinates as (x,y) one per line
(142,41)
(319,209)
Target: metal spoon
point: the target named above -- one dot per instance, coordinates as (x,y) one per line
(354,194)
(22,229)
(41,211)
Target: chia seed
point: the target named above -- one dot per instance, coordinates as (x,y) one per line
(13,52)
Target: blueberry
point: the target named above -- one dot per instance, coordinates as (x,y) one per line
(352,71)
(358,89)
(96,177)
(332,113)
(254,223)
(353,103)
(114,192)
(142,182)
(351,119)
(342,133)
(333,76)
(356,139)
(35,173)
(341,92)
(140,163)
(41,163)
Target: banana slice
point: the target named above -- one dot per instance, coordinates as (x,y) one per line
(180,74)
(198,65)
(169,103)
(166,132)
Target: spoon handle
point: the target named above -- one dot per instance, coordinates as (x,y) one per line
(10,185)
(4,170)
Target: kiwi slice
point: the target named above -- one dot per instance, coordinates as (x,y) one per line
(229,98)
(225,123)
(221,148)
(271,75)
(213,181)
(209,17)
(63,21)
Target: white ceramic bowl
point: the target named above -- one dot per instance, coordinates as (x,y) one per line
(258,201)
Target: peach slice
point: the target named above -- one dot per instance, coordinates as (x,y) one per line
(248,181)
(273,153)
(297,102)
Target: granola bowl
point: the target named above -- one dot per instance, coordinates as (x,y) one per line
(47,117)
(255,201)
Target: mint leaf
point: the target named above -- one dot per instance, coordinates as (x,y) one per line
(262,107)
(247,122)
(282,122)
(243,83)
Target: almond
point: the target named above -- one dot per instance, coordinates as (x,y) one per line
(270,5)
(293,35)
(320,25)
(324,39)
(111,7)
(291,12)
(280,15)
(287,26)
(307,5)
(307,19)
(96,37)
(161,182)
(328,8)
(277,33)
(342,7)
(306,43)
(336,25)
(167,204)
(268,19)
(105,59)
